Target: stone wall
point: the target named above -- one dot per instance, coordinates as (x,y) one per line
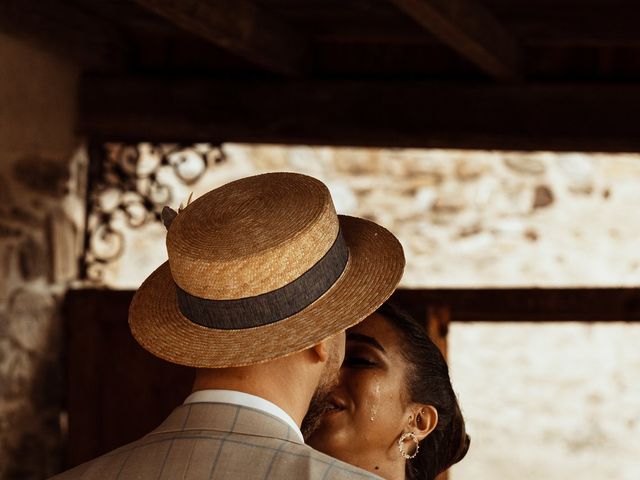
(40,214)
(465,219)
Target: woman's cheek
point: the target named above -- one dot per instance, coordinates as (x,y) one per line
(375,399)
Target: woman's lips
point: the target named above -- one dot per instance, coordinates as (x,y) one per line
(336,405)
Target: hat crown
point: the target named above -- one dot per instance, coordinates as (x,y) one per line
(251,236)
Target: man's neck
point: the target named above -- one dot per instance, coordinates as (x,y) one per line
(272,381)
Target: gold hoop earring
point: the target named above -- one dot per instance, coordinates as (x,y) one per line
(401,441)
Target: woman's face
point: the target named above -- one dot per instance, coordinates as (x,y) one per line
(370,408)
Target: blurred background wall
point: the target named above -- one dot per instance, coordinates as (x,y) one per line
(40,215)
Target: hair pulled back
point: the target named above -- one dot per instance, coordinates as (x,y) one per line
(428,382)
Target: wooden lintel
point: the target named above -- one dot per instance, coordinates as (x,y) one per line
(240,27)
(471,30)
(527,304)
(371,114)
(66,31)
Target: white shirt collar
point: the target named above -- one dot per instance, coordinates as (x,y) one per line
(245,400)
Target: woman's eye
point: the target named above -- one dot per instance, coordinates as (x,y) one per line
(351,361)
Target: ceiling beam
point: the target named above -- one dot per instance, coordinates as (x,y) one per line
(240,27)
(470,30)
(561,117)
(64,30)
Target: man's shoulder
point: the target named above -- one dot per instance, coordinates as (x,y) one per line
(339,470)
(321,466)
(214,455)
(102,467)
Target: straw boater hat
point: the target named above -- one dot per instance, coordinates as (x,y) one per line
(261,268)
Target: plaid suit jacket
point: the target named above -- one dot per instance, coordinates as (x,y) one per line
(217,441)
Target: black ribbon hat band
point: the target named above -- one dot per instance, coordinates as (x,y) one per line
(272,306)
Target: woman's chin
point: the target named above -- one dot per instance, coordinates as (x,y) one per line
(329,428)
(326,442)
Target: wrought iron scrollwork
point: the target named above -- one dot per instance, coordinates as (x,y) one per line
(128,188)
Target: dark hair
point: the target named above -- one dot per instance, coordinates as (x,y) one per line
(428,382)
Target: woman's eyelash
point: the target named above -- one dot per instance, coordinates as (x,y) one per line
(358,362)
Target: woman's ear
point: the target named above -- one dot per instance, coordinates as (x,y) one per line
(424,420)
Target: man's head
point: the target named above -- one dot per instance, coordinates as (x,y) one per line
(298,383)
(262,269)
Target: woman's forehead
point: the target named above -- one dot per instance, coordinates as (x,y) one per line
(377,327)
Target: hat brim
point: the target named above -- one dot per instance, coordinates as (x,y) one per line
(375,266)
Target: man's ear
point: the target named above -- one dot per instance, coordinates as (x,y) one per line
(424,420)
(330,349)
(321,350)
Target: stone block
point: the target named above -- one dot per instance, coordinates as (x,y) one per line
(42,175)
(33,259)
(17,367)
(469,169)
(26,218)
(30,318)
(62,236)
(580,173)
(9,231)
(30,444)
(6,199)
(525,164)
(449,202)
(543,197)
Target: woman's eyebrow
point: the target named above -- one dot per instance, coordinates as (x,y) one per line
(359,337)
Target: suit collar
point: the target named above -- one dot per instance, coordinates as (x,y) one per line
(244,399)
(226,418)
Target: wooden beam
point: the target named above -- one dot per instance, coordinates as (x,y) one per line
(527,304)
(240,27)
(372,114)
(471,30)
(558,23)
(111,378)
(438,319)
(64,30)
